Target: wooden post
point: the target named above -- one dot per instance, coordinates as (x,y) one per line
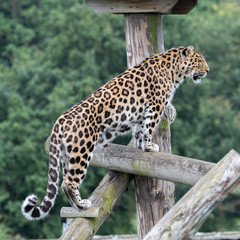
(144,37)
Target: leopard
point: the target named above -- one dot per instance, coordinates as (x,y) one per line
(135,100)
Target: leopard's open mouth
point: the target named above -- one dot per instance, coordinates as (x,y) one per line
(197,77)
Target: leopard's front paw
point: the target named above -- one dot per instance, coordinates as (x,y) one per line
(84,204)
(150,147)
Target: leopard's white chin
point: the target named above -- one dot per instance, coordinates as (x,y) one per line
(198,80)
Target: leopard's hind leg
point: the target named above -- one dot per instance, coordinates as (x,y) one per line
(79,156)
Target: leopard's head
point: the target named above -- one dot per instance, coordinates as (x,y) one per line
(193,64)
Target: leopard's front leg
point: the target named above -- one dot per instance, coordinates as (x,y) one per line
(143,132)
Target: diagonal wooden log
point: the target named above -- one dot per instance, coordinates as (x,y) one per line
(105,196)
(188,214)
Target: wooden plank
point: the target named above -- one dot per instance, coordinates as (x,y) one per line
(184,6)
(105,196)
(217,235)
(154,197)
(116,237)
(189,213)
(134,6)
(70,212)
(198,236)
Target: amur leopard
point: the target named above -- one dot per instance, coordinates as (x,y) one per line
(136,99)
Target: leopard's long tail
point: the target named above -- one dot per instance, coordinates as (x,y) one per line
(29,208)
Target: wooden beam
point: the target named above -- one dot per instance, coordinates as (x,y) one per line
(198,236)
(70,212)
(151,164)
(142,6)
(184,6)
(217,235)
(116,237)
(188,214)
(134,6)
(105,196)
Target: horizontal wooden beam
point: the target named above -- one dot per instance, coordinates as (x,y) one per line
(217,235)
(142,6)
(164,166)
(153,164)
(116,237)
(70,212)
(134,6)
(188,214)
(198,236)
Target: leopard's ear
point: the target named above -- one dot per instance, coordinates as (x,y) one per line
(188,51)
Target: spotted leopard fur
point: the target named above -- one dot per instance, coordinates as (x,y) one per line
(136,99)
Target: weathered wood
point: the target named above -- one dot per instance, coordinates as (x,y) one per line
(142,6)
(70,212)
(184,6)
(186,217)
(144,37)
(134,6)
(154,197)
(105,196)
(217,236)
(160,165)
(199,236)
(116,237)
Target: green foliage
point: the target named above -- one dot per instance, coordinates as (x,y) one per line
(53,53)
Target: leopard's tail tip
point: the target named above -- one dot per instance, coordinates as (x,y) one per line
(29,209)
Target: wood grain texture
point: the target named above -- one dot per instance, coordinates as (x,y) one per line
(217,235)
(116,237)
(134,6)
(188,214)
(142,6)
(160,165)
(70,212)
(198,236)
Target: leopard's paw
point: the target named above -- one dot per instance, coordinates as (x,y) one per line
(150,147)
(84,204)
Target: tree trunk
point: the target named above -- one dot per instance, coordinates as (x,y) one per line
(144,37)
